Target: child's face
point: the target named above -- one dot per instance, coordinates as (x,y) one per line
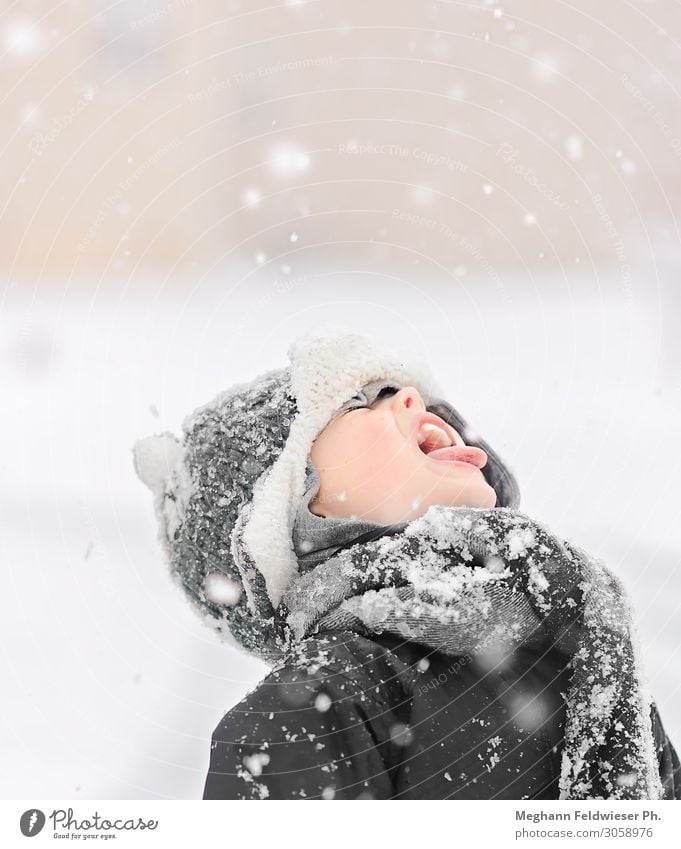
(371,465)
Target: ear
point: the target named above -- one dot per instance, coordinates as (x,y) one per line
(154,458)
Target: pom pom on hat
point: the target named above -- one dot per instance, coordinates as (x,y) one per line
(155,457)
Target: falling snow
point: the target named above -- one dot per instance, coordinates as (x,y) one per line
(322,703)
(286,160)
(220,589)
(574,147)
(251,196)
(401,735)
(22,39)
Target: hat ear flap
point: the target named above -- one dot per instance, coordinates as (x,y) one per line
(154,458)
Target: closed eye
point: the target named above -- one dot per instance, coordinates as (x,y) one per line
(386,392)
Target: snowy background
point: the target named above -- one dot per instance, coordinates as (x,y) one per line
(187,186)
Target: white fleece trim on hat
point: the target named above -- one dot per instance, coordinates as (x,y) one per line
(326,371)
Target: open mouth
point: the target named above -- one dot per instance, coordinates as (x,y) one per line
(431,437)
(437,440)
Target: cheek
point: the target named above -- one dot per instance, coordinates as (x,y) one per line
(360,444)
(379,448)
(364,446)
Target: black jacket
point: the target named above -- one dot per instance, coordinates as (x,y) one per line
(353,718)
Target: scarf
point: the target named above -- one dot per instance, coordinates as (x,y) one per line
(469,580)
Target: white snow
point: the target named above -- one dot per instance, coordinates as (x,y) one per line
(22,38)
(545,67)
(251,196)
(288,159)
(495,564)
(323,702)
(627,779)
(255,763)
(155,457)
(220,589)
(401,734)
(574,147)
(520,542)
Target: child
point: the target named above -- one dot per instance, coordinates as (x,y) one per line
(341,521)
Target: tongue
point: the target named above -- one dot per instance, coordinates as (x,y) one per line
(465,454)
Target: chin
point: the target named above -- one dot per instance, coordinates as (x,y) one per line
(482,496)
(492,498)
(487,496)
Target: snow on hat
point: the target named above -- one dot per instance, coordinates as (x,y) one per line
(225,495)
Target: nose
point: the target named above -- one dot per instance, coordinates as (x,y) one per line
(408,398)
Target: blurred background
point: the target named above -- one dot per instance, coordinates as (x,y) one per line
(186,186)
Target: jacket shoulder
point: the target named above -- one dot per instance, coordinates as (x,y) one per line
(320,724)
(356,659)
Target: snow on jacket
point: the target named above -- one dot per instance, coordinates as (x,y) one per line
(353,718)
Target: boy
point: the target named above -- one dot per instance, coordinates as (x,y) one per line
(341,521)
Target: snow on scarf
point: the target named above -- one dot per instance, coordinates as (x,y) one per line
(462,580)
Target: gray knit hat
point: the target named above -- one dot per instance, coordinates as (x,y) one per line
(226,493)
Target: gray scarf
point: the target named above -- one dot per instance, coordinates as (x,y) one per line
(468,580)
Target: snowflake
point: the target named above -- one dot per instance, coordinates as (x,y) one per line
(518,542)
(322,702)
(574,147)
(251,196)
(627,779)
(255,763)
(220,589)
(287,160)
(544,67)
(22,38)
(401,735)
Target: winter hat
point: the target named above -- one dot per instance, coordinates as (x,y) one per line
(227,492)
